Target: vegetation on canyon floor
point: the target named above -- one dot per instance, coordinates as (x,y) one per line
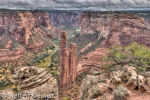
(69,91)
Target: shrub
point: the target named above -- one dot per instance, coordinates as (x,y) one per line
(95,93)
(52,47)
(28,64)
(75,95)
(53,73)
(15,89)
(72,90)
(120,93)
(76,90)
(3,72)
(69,95)
(51,65)
(134,55)
(46,48)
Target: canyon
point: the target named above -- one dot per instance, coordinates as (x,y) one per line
(22,31)
(31,30)
(68,61)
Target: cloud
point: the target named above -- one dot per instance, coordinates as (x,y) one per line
(76,4)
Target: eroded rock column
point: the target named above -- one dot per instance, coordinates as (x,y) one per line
(64,60)
(73,61)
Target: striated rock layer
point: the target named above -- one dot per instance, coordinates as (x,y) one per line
(68,62)
(33,80)
(119,28)
(20,23)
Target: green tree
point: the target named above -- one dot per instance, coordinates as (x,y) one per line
(65,98)
(52,47)
(53,73)
(51,65)
(12,70)
(135,55)
(15,89)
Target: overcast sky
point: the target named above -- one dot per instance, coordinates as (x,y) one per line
(76,4)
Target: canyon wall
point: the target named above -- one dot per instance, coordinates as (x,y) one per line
(119,28)
(64,19)
(68,61)
(20,23)
(19,29)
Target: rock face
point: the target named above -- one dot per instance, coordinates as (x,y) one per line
(120,27)
(64,19)
(20,23)
(35,80)
(6,54)
(29,29)
(68,62)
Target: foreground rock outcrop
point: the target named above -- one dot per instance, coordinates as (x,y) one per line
(95,86)
(33,80)
(68,62)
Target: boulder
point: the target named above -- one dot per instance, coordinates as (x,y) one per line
(87,83)
(147,81)
(116,77)
(120,93)
(141,83)
(130,73)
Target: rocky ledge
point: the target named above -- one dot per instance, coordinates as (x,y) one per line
(118,85)
(33,80)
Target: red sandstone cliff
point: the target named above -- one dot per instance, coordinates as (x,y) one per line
(68,61)
(20,23)
(119,28)
(25,28)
